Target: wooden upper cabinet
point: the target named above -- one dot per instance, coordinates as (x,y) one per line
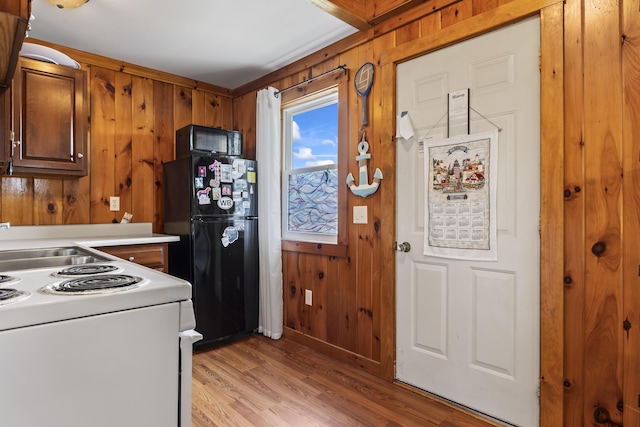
(49,119)
(14,19)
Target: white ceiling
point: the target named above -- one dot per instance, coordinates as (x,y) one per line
(227,43)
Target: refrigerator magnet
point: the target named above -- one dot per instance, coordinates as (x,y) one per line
(237,196)
(229,236)
(246,204)
(215,193)
(215,183)
(202,171)
(203,196)
(239,168)
(251,177)
(225,203)
(226,173)
(240,184)
(226,190)
(199,183)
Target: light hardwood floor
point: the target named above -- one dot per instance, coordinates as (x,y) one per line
(262,382)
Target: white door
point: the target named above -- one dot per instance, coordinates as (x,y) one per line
(467,330)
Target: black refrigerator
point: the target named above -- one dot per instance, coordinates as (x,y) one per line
(211,202)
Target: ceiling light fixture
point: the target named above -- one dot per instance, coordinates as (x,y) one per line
(67,4)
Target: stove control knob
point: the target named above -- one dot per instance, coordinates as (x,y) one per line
(131,258)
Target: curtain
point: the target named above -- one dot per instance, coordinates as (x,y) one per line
(268,155)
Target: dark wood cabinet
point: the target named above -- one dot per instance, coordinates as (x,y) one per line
(49,105)
(14,19)
(152,255)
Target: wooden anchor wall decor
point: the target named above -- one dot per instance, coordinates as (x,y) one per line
(364,189)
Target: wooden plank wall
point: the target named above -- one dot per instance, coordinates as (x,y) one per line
(631,212)
(133,120)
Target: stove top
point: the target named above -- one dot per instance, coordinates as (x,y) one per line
(50,294)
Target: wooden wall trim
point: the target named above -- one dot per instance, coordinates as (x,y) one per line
(471,27)
(349,11)
(338,353)
(388,216)
(137,70)
(551,215)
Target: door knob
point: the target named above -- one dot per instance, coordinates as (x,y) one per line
(403,247)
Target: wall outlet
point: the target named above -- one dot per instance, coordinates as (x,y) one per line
(360,214)
(308,296)
(114,203)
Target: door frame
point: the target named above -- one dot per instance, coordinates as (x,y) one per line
(551,14)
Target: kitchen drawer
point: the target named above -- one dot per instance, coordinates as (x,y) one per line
(152,255)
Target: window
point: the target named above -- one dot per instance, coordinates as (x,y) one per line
(310,176)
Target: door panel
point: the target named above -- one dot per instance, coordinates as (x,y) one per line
(469,330)
(225,291)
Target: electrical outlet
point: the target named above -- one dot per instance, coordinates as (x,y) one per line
(114,203)
(308,296)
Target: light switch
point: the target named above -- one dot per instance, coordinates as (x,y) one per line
(360,215)
(114,203)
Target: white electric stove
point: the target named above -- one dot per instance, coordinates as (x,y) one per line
(104,343)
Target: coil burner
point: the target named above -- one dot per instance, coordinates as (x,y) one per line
(87,270)
(10,295)
(98,284)
(8,280)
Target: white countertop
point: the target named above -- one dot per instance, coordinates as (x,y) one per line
(91,235)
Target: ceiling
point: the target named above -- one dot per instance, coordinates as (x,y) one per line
(227,43)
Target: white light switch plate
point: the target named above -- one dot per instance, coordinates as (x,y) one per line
(308,297)
(360,215)
(114,203)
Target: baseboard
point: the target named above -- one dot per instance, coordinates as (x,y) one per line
(349,357)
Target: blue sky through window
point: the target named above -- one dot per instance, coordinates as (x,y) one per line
(315,137)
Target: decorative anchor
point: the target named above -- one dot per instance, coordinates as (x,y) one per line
(364,190)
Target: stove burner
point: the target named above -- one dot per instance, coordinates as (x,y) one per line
(4,279)
(9,295)
(86,269)
(94,284)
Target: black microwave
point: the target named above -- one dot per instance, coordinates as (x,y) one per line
(207,140)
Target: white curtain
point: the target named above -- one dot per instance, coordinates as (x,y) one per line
(268,156)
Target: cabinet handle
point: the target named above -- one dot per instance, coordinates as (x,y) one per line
(14,143)
(131,258)
(80,155)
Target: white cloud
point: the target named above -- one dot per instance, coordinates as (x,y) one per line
(329,142)
(304,153)
(295,131)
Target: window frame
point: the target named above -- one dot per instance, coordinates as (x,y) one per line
(303,94)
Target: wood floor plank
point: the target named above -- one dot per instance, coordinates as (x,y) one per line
(262,382)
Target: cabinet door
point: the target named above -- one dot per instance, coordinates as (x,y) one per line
(50,120)
(14,18)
